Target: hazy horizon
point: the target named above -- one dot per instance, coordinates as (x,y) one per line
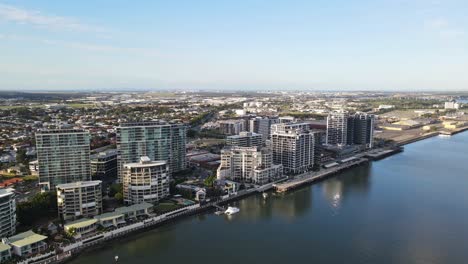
(402,45)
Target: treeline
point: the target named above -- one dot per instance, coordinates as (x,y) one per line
(42,205)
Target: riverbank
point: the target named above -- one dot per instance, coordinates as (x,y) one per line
(349,217)
(71,251)
(415,138)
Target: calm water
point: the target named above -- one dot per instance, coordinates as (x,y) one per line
(408,208)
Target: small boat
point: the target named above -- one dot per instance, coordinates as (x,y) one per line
(265,195)
(116,258)
(219,212)
(231,210)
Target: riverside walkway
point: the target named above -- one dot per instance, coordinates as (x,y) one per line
(310,177)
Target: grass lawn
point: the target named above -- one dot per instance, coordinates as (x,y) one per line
(9,107)
(8,175)
(80,105)
(166,207)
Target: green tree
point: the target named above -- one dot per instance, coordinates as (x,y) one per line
(209,181)
(40,206)
(114,189)
(21,157)
(119,197)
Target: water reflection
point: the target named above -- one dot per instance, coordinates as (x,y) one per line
(356,180)
(288,206)
(408,208)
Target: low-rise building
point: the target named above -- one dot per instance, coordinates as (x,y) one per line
(5,252)
(113,219)
(27,243)
(34,167)
(135,210)
(198,192)
(453,124)
(451,105)
(81,228)
(79,199)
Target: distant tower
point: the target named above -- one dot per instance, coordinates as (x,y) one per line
(361,130)
(159,141)
(245,139)
(63,157)
(337,128)
(262,125)
(293,146)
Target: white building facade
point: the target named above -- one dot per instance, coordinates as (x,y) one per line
(145,181)
(248,164)
(8,212)
(79,199)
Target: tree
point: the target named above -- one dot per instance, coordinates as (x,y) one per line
(71,232)
(209,181)
(119,197)
(191,133)
(21,157)
(114,189)
(41,205)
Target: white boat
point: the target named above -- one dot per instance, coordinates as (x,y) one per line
(231,210)
(265,195)
(116,258)
(219,212)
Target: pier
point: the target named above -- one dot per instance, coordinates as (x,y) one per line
(310,177)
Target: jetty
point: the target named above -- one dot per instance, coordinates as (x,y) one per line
(310,177)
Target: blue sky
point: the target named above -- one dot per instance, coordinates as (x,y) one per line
(318,45)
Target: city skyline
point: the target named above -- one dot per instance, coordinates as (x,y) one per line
(408,45)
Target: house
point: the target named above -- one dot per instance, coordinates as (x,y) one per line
(200,195)
(197,192)
(81,227)
(5,252)
(27,243)
(136,210)
(113,219)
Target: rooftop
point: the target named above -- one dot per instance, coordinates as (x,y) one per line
(60,131)
(78,184)
(4,247)
(81,223)
(26,238)
(6,192)
(145,163)
(133,208)
(108,216)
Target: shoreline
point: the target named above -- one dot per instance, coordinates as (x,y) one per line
(432,134)
(71,254)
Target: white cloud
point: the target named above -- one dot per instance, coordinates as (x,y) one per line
(103,48)
(36,18)
(444,28)
(437,23)
(147,52)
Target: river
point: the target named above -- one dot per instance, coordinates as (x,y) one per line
(408,208)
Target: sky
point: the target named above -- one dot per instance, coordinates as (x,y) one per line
(404,45)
